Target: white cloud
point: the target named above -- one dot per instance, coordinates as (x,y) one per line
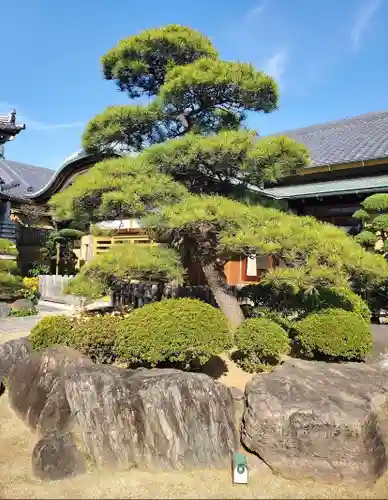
(255,12)
(276,65)
(33,124)
(364,16)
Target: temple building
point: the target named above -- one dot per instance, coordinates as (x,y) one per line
(349,163)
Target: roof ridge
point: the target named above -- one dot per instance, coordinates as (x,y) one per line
(333,123)
(29,165)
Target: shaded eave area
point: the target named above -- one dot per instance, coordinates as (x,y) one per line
(75,164)
(375,183)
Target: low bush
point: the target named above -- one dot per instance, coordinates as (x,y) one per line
(173,331)
(334,334)
(95,337)
(52,330)
(285,304)
(261,342)
(21,313)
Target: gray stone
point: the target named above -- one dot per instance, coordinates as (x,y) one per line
(22,304)
(237,394)
(319,420)
(56,456)
(36,387)
(5,310)
(154,418)
(12,352)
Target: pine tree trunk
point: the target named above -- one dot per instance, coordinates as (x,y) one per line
(226,300)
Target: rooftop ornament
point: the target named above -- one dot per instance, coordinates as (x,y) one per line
(8,127)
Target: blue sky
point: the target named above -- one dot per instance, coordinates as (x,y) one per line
(330,58)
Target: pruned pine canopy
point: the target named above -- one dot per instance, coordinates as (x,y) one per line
(195,159)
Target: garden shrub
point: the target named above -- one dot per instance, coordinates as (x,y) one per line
(175,331)
(52,330)
(343,298)
(261,342)
(95,337)
(334,334)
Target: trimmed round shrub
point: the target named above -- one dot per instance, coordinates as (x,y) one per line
(52,330)
(261,342)
(334,334)
(175,331)
(344,298)
(95,337)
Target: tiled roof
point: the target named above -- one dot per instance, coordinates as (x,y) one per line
(29,177)
(359,185)
(361,138)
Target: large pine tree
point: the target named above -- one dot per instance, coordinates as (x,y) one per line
(193,171)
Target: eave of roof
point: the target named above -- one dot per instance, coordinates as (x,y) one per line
(330,188)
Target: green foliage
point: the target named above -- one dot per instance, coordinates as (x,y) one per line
(284,304)
(129,128)
(376,203)
(51,330)
(334,334)
(209,84)
(261,342)
(7,248)
(86,287)
(38,269)
(173,330)
(21,313)
(113,189)
(139,63)
(225,157)
(366,238)
(200,104)
(374,218)
(95,337)
(216,227)
(125,263)
(10,282)
(71,234)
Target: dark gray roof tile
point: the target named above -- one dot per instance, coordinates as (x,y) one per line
(360,138)
(29,177)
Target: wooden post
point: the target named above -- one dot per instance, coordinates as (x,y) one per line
(57,256)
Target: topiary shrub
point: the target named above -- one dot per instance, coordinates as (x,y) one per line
(52,330)
(334,334)
(261,342)
(343,298)
(95,337)
(174,331)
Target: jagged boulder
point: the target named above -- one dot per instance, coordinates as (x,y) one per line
(320,420)
(159,417)
(56,456)
(36,387)
(12,352)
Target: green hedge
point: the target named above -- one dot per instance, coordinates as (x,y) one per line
(52,330)
(261,342)
(173,330)
(334,334)
(95,337)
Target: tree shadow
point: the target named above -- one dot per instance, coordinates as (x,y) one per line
(215,367)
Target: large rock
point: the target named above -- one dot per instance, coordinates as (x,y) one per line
(319,420)
(36,387)
(12,352)
(22,305)
(5,310)
(56,456)
(162,418)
